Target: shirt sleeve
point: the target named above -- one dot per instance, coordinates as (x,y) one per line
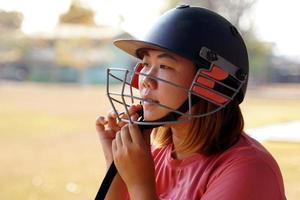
(245,178)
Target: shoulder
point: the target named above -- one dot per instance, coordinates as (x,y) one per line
(247,155)
(248,150)
(248,167)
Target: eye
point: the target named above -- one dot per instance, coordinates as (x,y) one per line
(165,67)
(146,64)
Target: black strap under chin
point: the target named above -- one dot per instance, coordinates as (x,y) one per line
(112,171)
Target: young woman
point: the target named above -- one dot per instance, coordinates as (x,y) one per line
(191,80)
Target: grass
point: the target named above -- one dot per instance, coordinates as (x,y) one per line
(259,112)
(50,150)
(287,156)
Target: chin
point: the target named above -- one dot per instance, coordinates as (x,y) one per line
(150,117)
(154,114)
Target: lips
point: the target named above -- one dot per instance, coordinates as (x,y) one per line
(148,99)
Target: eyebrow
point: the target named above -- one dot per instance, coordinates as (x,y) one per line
(163,55)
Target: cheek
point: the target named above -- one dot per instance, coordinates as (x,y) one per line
(172,96)
(176,95)
(187,79)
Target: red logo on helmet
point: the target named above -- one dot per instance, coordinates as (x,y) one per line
(206,83)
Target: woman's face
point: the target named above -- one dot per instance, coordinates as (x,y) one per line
(169,67)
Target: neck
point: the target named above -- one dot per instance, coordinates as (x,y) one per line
(179,133)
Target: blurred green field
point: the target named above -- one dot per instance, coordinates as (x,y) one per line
(50,150)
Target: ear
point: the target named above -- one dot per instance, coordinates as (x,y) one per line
(135,76)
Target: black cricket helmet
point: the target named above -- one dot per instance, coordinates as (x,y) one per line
(202,36)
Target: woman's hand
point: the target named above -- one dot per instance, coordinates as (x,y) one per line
(133,159)
(107,127)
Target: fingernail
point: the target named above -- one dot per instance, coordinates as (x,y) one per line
(134,117)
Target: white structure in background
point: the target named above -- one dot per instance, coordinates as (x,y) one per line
(288,131)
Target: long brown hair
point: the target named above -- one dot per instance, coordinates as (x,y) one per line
(207,135)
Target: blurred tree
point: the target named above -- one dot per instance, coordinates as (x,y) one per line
(10,21)
(13,46)
(260,54)
(13,42)
(238,12)
(78,14)
(71,52)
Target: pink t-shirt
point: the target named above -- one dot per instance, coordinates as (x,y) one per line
(246,171)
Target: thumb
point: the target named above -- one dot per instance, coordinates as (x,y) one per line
(147,136)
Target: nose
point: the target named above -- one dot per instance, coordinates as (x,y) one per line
(148,81)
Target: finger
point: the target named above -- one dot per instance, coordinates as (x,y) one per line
(132,110)
(122,123)
(112,114)
(112,122)
(114,147)
(101,120)
(100,124)
(102,131)
(118,140)
(135,133)
(125,136)
(147,136)
(134,117)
